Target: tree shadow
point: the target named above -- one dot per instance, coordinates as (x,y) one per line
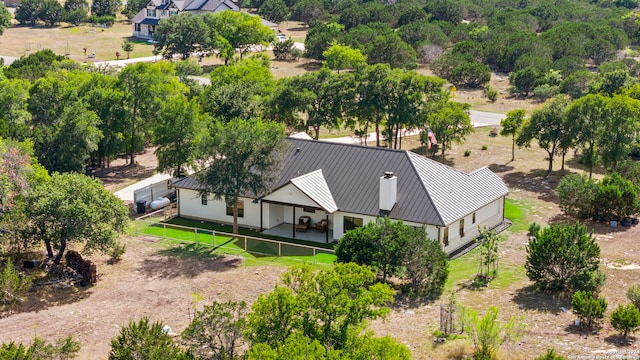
(44,295)
(536,181)
(574,162)
(618,340)
(310,66)
(531,298)
(501,168)
(187,260)
(477,283)
(300,28)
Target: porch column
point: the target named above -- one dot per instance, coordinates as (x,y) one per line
(327,235)
(294,222)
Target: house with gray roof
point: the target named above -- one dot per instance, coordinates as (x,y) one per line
(145,22)
(350,185)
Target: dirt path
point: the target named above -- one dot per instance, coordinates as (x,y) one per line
(149,281)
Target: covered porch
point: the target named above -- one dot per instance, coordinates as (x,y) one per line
(286,230)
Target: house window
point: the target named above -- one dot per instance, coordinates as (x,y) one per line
(309,210)
(445,237)
(462,228)
(240,209)
(351,223)
(164,13)
(473,218)
(151,12)
(137,27)
(203,199)
(173,12)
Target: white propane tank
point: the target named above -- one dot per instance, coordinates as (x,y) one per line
(159,203)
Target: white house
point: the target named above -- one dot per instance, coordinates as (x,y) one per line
(145,22)
(350,185)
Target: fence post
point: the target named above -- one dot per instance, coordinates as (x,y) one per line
(314,255)
(279,249)
(214,237)
(245,243)
(195,234)
(164,228)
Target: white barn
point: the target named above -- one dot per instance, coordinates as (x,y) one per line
(350,185)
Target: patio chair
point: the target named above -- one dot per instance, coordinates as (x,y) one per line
(304,222)
(322,225)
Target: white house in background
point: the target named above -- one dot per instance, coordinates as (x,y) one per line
(145,22)
(350,185)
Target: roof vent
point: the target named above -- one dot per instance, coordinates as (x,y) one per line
(298,149)
(388,191)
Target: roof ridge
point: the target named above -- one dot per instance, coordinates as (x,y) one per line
(424,187)
(348,145)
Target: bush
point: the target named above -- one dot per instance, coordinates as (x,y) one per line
(576,193)
(141,340)
(102,20)
(12,284)
(588,309)
(616,198)
(484,147)
(286,51)
(633,294)
(467,152)
(534,228)
(626,319)
(550,355)
(544,92)
(560,256)
(65,348)
(491,93)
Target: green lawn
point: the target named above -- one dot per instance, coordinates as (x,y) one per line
(257,251)
(516,211)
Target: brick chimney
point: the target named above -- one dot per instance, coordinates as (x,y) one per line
(388,191)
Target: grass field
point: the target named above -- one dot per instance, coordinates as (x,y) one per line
(208,242)
(71,40)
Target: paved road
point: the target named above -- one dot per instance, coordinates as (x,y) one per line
(478,119)
(481,118)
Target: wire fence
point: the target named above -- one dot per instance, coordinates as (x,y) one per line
(154,225)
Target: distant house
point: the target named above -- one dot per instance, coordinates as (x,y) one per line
(348,186)
(145,22)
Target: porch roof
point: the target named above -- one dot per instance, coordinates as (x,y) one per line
(314,185)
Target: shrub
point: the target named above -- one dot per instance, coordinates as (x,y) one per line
(626,319)
(576,194)
(633,294)
(488,334)
(102,20)
(491,93)
(616,198)
(545,92)
(588,309)
(141,340)
(467,152)
(534,228)
(550,355)
(484,147)
(12,284)
(560,255)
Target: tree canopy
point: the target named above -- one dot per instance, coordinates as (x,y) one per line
(73,208)
(240,157)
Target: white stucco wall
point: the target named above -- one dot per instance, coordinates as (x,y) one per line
(490,215)
(190,206)
(289,194)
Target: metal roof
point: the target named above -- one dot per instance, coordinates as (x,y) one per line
(315,187)
(150,21)
(428,192)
